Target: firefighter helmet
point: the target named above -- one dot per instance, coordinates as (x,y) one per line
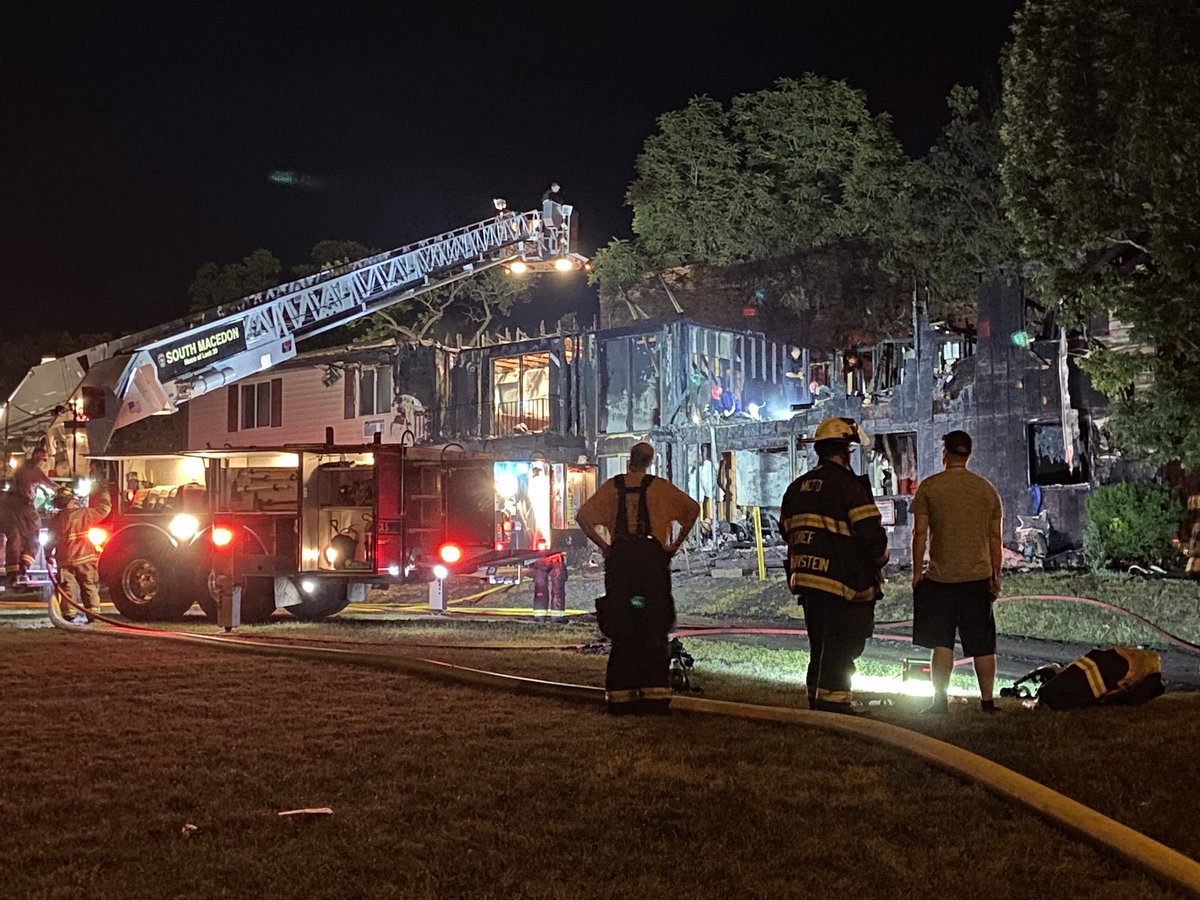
(63,498)
(839,429)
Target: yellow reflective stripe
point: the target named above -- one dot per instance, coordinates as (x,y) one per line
(1095,679)
(829,586)
(656,693)
(866,511)
(621,696)
(813,520)
(834,696)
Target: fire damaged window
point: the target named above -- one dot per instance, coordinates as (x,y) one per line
(629,382)
(892,464)
(521,393)
(1048,461)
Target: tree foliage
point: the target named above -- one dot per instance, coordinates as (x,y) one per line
(215,284)
(1102,180)
(803,199)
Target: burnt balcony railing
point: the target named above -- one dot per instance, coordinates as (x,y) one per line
(530,416)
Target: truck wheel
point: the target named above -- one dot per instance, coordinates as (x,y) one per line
(328,598)
(142,586)
(258,599)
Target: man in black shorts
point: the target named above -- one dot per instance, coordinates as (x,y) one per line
(959,514)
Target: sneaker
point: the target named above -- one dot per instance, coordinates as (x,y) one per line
(79,619)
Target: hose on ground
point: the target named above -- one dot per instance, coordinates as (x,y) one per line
(1144,852)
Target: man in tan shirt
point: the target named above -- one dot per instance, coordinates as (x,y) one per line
(636,513)
(962,513)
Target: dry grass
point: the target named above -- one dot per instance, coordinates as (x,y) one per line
(111,746)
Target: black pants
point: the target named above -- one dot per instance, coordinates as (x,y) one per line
(637,613)
(837,634)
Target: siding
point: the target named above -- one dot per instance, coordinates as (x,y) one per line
(308,407)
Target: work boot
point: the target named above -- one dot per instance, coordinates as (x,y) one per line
(939,707)
(989,706)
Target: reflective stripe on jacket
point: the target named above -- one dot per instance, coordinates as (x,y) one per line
(835,535)
(69,532)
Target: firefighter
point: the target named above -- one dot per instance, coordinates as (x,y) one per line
(20,518)
(74,553)
(637,511)
(837,548)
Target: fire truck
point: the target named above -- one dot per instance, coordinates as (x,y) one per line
(307,528)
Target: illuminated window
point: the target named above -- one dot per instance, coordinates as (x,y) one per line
(521,393)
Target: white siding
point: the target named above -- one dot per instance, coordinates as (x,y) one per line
(308,408)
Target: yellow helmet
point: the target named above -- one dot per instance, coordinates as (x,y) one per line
(839,429)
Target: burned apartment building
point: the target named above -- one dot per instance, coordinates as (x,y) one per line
(729,411)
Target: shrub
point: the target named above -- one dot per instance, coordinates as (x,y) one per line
(1130,523)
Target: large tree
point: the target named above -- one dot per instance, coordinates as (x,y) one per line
(1102,180)
(801,202)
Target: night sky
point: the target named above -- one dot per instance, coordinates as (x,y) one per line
(138,138)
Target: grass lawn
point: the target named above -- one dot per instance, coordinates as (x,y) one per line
(111,747)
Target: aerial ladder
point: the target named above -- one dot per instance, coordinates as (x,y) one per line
(154,372)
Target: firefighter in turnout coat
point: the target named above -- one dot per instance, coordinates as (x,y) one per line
(638,512)
(836,549)
(74,552)
(19,518)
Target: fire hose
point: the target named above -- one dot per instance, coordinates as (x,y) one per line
(1073,817)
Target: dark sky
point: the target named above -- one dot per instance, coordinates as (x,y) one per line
(138,137)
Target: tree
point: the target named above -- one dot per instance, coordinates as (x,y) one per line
(802,203)
(216,284)
(1101,174)
(957,234)
(471,305)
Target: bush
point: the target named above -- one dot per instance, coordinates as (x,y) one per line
(1130,523)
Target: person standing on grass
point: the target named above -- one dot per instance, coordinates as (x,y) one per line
(837,548)
(637,512)
(960,515)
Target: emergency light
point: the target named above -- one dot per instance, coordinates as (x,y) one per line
(97,536)
(450,553)
(221,536)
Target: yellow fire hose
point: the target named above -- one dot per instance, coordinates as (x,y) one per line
(1155,858)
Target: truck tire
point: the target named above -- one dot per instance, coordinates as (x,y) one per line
(328,598)
(142,582)
(258,599)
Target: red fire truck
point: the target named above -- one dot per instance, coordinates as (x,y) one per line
(308,528)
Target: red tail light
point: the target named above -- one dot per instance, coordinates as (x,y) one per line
(221,536)
(98,536)
(450,553)
(499,546)
(542,544)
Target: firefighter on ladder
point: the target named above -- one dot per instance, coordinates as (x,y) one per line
(74,554)
(837,547)
(637,612)
(19,518)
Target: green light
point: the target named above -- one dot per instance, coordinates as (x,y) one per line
(1020,339)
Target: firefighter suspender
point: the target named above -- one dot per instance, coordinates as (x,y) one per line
(622,525)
